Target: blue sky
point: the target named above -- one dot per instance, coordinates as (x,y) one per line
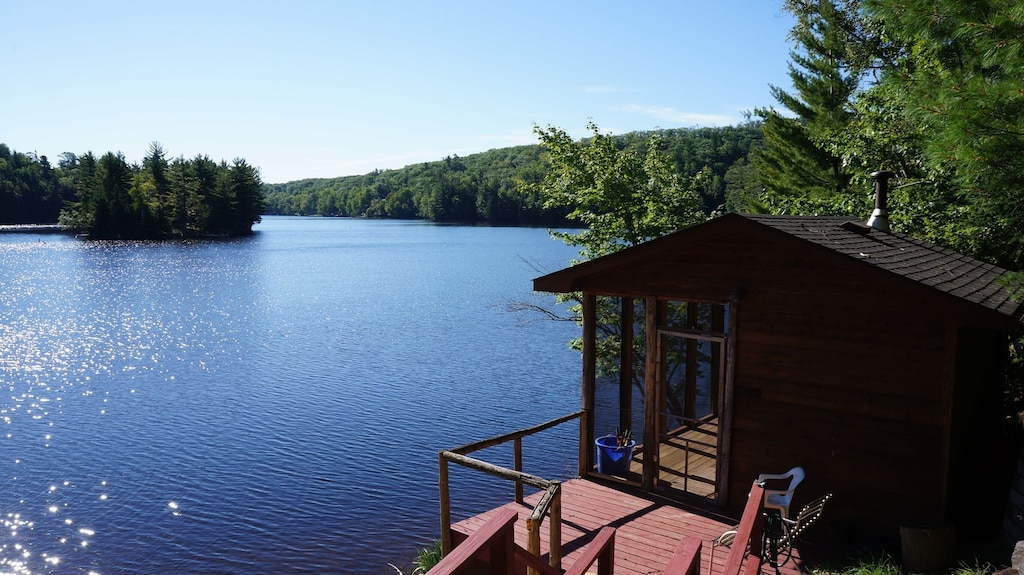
(312,89)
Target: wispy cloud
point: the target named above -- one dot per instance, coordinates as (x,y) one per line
(669,114)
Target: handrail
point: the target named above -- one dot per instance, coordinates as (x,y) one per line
(750,529)
(602,550)
(478,445)
(686,559)
(549,504)
(495,541)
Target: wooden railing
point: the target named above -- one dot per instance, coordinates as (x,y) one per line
(686,559)
(494,543)
(550,503)
(748,534)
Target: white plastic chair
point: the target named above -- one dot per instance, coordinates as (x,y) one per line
(780,499)
(807,515)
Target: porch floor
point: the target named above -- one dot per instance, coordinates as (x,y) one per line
(648,527)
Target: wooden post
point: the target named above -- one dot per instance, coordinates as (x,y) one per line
(493,543)
(717,325)
(517,464)
(686,559)
(749,532)
(725,417)
(626,364)
(928,548)
(533,540)
(692,349)
(606,561)
(583,461)
(446,510)
(586,459)
(652,394)
(503,554)
(555,529)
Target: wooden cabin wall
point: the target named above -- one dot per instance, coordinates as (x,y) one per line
(980,483)
(840,368)
(847,377)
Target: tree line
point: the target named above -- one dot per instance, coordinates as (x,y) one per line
(108,198)
(499,186)
(928,89)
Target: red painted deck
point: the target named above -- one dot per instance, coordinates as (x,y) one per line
(648,527)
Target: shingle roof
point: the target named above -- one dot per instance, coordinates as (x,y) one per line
(927,264)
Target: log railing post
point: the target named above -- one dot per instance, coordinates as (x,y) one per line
(446,504)
(589,383)
(555,529)
(517,464)
(550,503)
(532,541)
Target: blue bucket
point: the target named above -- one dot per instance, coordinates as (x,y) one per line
(612,459)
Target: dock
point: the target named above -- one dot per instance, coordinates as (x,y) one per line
(648,527)
(31,229)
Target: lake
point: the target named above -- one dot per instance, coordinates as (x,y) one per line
(272,404)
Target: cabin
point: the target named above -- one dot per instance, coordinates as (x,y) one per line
(754,343)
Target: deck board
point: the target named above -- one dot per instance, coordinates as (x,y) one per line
(648,528)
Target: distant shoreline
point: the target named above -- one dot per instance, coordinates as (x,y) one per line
(32,229)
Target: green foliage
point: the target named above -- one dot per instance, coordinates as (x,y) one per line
(30,189)
(882,565)
(625,191)
(482,187)
(959,78)
(499,186)
(885,565)
(427,557)
(941,107)
(180,198)
(622,195)
(108,198)
(801,155)
(932,93)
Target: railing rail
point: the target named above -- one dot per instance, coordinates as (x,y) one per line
(686,559)
(750,529)
(494,542)
(550,503)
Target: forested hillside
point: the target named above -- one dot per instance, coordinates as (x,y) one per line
(486,187)
(108,197)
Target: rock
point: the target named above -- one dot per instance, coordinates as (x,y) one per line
(1017,558)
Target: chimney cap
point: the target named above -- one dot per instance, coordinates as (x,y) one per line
(879,219)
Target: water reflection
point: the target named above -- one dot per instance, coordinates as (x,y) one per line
(266,405)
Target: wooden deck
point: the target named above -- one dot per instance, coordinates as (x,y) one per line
(687,461)
(648,527)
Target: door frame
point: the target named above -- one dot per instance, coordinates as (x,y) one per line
(654,382)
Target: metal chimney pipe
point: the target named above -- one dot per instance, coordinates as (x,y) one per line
(879,219)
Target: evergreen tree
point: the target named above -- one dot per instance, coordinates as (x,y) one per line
(800,154)
(959,80)
(246,192)
(110,199)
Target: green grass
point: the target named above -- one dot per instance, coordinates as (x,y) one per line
(426,558)
(885,565)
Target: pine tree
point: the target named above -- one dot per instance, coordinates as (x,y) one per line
(801,155)
(960,81)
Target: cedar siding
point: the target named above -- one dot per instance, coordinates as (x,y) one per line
(872,360)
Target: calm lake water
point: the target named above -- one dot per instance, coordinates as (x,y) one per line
(273,404)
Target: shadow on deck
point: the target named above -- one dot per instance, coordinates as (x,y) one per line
(648,527)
